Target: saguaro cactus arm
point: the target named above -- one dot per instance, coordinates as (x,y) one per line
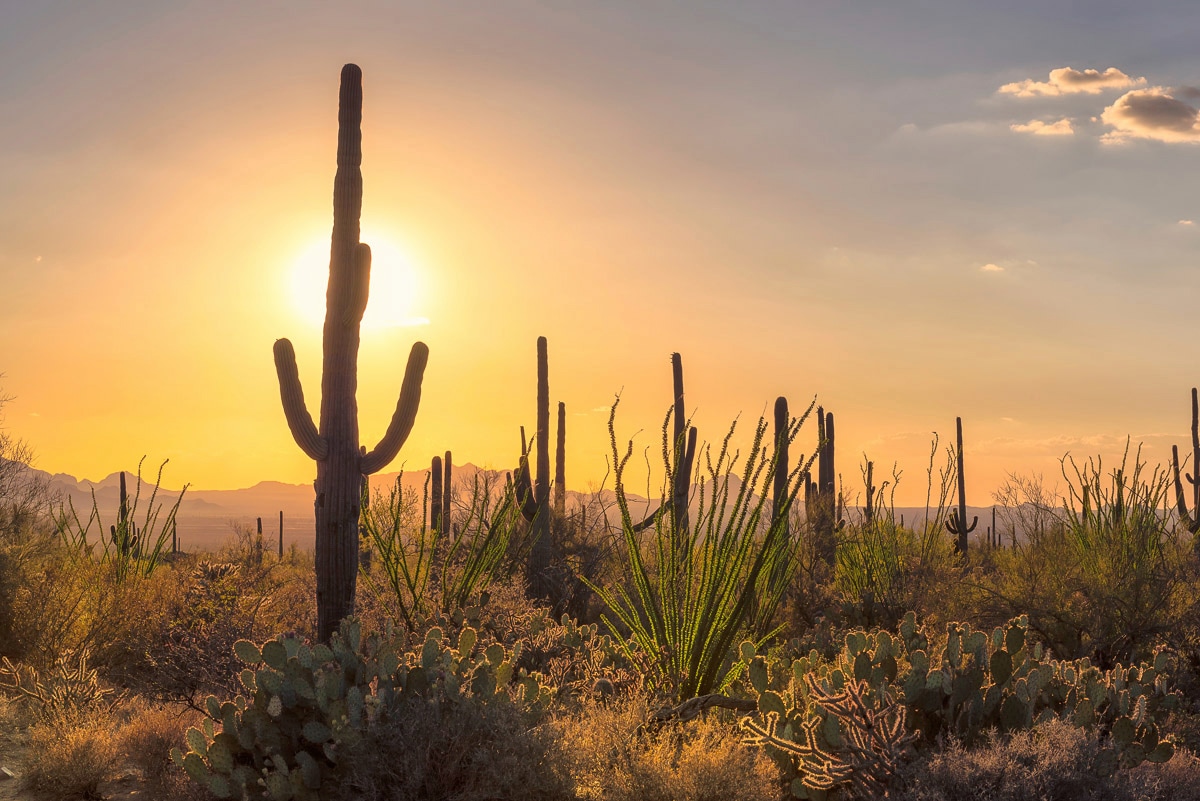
(405,414)
(304,431)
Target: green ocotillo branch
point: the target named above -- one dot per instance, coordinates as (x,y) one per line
(334,444)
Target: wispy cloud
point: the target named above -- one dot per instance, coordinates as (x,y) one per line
(1156,113)
(991,268)
(1069,81)
(1039,128)
(1187,223)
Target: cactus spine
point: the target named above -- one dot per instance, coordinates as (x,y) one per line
(335,444)
(956,525)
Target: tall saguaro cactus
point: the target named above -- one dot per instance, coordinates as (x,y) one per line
(684,453)
(534,499)
(957,524)
(1189,521)
(334,445)
(560,463)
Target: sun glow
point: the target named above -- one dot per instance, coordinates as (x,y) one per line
(395,284)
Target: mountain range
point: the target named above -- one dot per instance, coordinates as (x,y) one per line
(207,519)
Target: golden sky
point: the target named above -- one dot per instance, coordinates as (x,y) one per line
(913,217)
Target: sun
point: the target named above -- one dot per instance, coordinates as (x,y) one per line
(395,284)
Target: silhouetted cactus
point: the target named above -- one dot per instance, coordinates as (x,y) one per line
(822,503)
(560,463)
(779,487)
(956,525)
(335,445)
(440,472)
(533,498)
(684,440)
(869,512)
(1190,521)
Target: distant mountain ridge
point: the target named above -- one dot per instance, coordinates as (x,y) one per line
(207,518)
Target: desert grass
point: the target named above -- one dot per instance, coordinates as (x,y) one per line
(611,756)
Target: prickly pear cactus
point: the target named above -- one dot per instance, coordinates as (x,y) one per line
(813,713)
(304,705)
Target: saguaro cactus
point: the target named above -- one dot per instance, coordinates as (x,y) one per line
(822,502)
(534,501)
(684,454)
(335,445)
(560,463)
(1190,521)
(957,524)
(440,472)
(779,483)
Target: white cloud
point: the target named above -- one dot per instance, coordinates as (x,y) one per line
(1187,222)
(1156,113)
(991,268)
(1068,81)
(1039,128)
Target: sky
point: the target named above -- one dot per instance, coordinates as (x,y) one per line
(913,211)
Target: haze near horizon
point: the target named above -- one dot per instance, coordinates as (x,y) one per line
(912,213)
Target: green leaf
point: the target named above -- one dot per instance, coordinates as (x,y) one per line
(466,641)
(316,732)
(196,741)
(247,652)
(758,674)
(1001,667)
(1162,752)
(772,702)
(274,654)
(1123,732)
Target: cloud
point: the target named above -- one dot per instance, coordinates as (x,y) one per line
(1039,128)
(991,268)
(1156,113)
(1068,81)
(1187,223)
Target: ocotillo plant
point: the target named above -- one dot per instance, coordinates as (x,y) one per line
(560,464)
(957,524)
(335,444)
(281,534)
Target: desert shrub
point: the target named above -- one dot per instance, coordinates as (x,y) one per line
(1111,577)
(1053,761)
(69,756)
(611,756)
(219,604)
(305,706)
(145,740)
(416,570)
(848,724)
(68,689)
(469,751)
